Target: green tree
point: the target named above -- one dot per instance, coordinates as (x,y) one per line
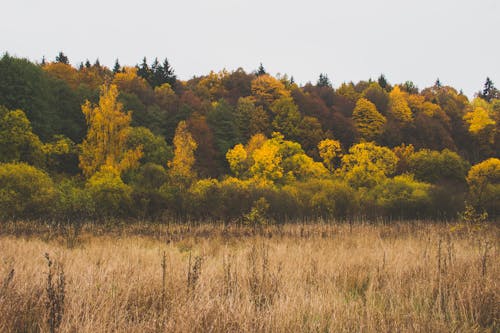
(286,117)
(17,141)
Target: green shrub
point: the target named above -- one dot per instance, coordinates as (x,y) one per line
(112,197)
(25,191)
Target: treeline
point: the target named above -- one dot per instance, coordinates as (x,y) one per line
(90,142)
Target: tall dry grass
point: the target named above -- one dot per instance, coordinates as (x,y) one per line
(403,277)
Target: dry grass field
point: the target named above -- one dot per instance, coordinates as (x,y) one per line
(362,277)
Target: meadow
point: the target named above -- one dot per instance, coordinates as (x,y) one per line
(315,277)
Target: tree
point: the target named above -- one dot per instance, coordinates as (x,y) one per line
(434,167)
(398,106)
(378,96)
(484,185)
(223,123)
(261,70)
(489,91)
(330,151)
(154,147)
(267,89)
(169,74)
(117,68)
(108,132)
(382,81)
(367,165)
(61,57)
(17,141)
(323,81)
(286,117)
(368,121)
(181,166)
(143,70)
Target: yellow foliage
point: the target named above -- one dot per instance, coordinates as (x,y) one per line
(184,147)
(329,150)
(368,121)
(267,89)
(478,120)
(109,127)
(398,106)
(236,158)
(484,185)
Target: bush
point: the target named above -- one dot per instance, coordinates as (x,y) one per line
(25,191)
(112,197)
(74,202)
(402,196)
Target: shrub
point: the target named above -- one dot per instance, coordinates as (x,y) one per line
(111,195)
(25,191)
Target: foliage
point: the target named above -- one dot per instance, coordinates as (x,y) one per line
(25,191)
(17,141)
(369,122)
(330,151)
(367,164)
(434,166)
(484,185)
(398,106)
(110,194)
(108,132)
(181,166)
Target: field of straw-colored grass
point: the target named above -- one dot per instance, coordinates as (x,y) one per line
(400,277)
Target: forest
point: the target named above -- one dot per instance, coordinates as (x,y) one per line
(136,142)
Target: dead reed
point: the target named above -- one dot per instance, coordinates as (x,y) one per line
(329,277)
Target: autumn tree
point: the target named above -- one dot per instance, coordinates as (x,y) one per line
(369,122)
(330,151)
(367,164)
(266,89)
(181,166)
(108,132)
(398,106)
(484,185)
(481,123)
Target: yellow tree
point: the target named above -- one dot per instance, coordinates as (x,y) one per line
(480,122)
(398,106)
(181,167)
(266,89)
(484,185)
(109,128)
(329,150)
(369,122)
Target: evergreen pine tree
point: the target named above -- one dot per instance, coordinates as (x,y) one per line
(117,67)
(323,81)
(143,70)
(261,70)
(169,75)
(382,81)
(62,58)
(489,91)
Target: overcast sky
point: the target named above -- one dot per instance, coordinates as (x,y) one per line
(455,40)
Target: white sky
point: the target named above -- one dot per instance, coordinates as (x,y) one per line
(455,40)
